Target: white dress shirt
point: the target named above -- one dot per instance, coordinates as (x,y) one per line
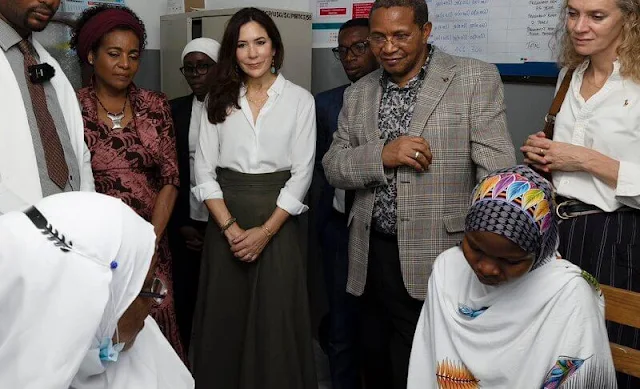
(282,138)
(197,210)
(19,177)
(609,122)
(339,201)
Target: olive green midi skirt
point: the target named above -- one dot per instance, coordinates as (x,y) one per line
(251,326)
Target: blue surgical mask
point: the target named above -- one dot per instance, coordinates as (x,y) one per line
(108,351)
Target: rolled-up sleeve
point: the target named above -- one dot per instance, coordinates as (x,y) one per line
(628,188)
(302,160)
(206,161)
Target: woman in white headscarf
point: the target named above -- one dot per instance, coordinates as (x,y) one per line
(72,298)
(189,219)
(502,311)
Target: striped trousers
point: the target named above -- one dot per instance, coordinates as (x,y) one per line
(607,245)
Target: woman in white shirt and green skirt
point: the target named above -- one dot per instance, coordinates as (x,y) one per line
(253,167)
(594,156)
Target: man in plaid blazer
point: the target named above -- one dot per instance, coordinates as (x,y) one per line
(413,139)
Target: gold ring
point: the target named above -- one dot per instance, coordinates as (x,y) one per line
(542,151)
(417,155)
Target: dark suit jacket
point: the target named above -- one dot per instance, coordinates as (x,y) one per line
(328,106)
(181,112)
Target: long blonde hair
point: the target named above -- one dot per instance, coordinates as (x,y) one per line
(628,51)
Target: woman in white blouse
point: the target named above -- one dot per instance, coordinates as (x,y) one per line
(253,167)
(594,157)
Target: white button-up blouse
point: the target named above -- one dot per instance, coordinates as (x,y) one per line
(609,122)
(282,138)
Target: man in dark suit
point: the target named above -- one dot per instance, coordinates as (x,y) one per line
(189,219)
(333,207)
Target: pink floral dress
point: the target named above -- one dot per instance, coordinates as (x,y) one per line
(133,164)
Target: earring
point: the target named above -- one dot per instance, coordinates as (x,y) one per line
(273,66)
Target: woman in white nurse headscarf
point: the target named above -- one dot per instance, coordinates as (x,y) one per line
(189,220)
(199,59)
(73,268)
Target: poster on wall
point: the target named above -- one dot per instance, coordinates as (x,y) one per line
(329,15)
(77,6)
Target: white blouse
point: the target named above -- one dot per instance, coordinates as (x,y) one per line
(198,211)
(609,122)
(282,138)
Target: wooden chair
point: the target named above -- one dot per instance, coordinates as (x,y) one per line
(623,307)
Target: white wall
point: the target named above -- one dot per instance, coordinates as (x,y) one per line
(150,12)
(292,5)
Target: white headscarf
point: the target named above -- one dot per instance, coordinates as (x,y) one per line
(543,330)
(55,304)
(132,261)
(207,46)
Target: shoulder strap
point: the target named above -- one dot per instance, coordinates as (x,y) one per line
(550,119)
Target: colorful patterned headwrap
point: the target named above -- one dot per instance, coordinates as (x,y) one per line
(518,204)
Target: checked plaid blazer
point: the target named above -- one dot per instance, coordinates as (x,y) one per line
(460,111)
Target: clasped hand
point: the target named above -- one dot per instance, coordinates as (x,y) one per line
(547,155)
(411,151)
(246,245)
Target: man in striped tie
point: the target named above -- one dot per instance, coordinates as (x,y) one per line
(42,149)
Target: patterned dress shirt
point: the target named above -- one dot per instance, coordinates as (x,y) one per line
(394,117)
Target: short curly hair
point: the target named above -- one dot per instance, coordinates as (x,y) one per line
(89,13)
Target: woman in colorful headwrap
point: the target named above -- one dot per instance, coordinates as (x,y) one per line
(129,132)
(502,311)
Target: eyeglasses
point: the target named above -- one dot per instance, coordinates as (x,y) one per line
(157,292)
(397,40)
(357,49)
(199,70)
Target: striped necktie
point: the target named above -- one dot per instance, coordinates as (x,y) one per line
(53,152)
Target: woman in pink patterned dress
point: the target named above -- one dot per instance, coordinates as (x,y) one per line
(129,132)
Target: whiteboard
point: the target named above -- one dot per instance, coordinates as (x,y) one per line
(505,32)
